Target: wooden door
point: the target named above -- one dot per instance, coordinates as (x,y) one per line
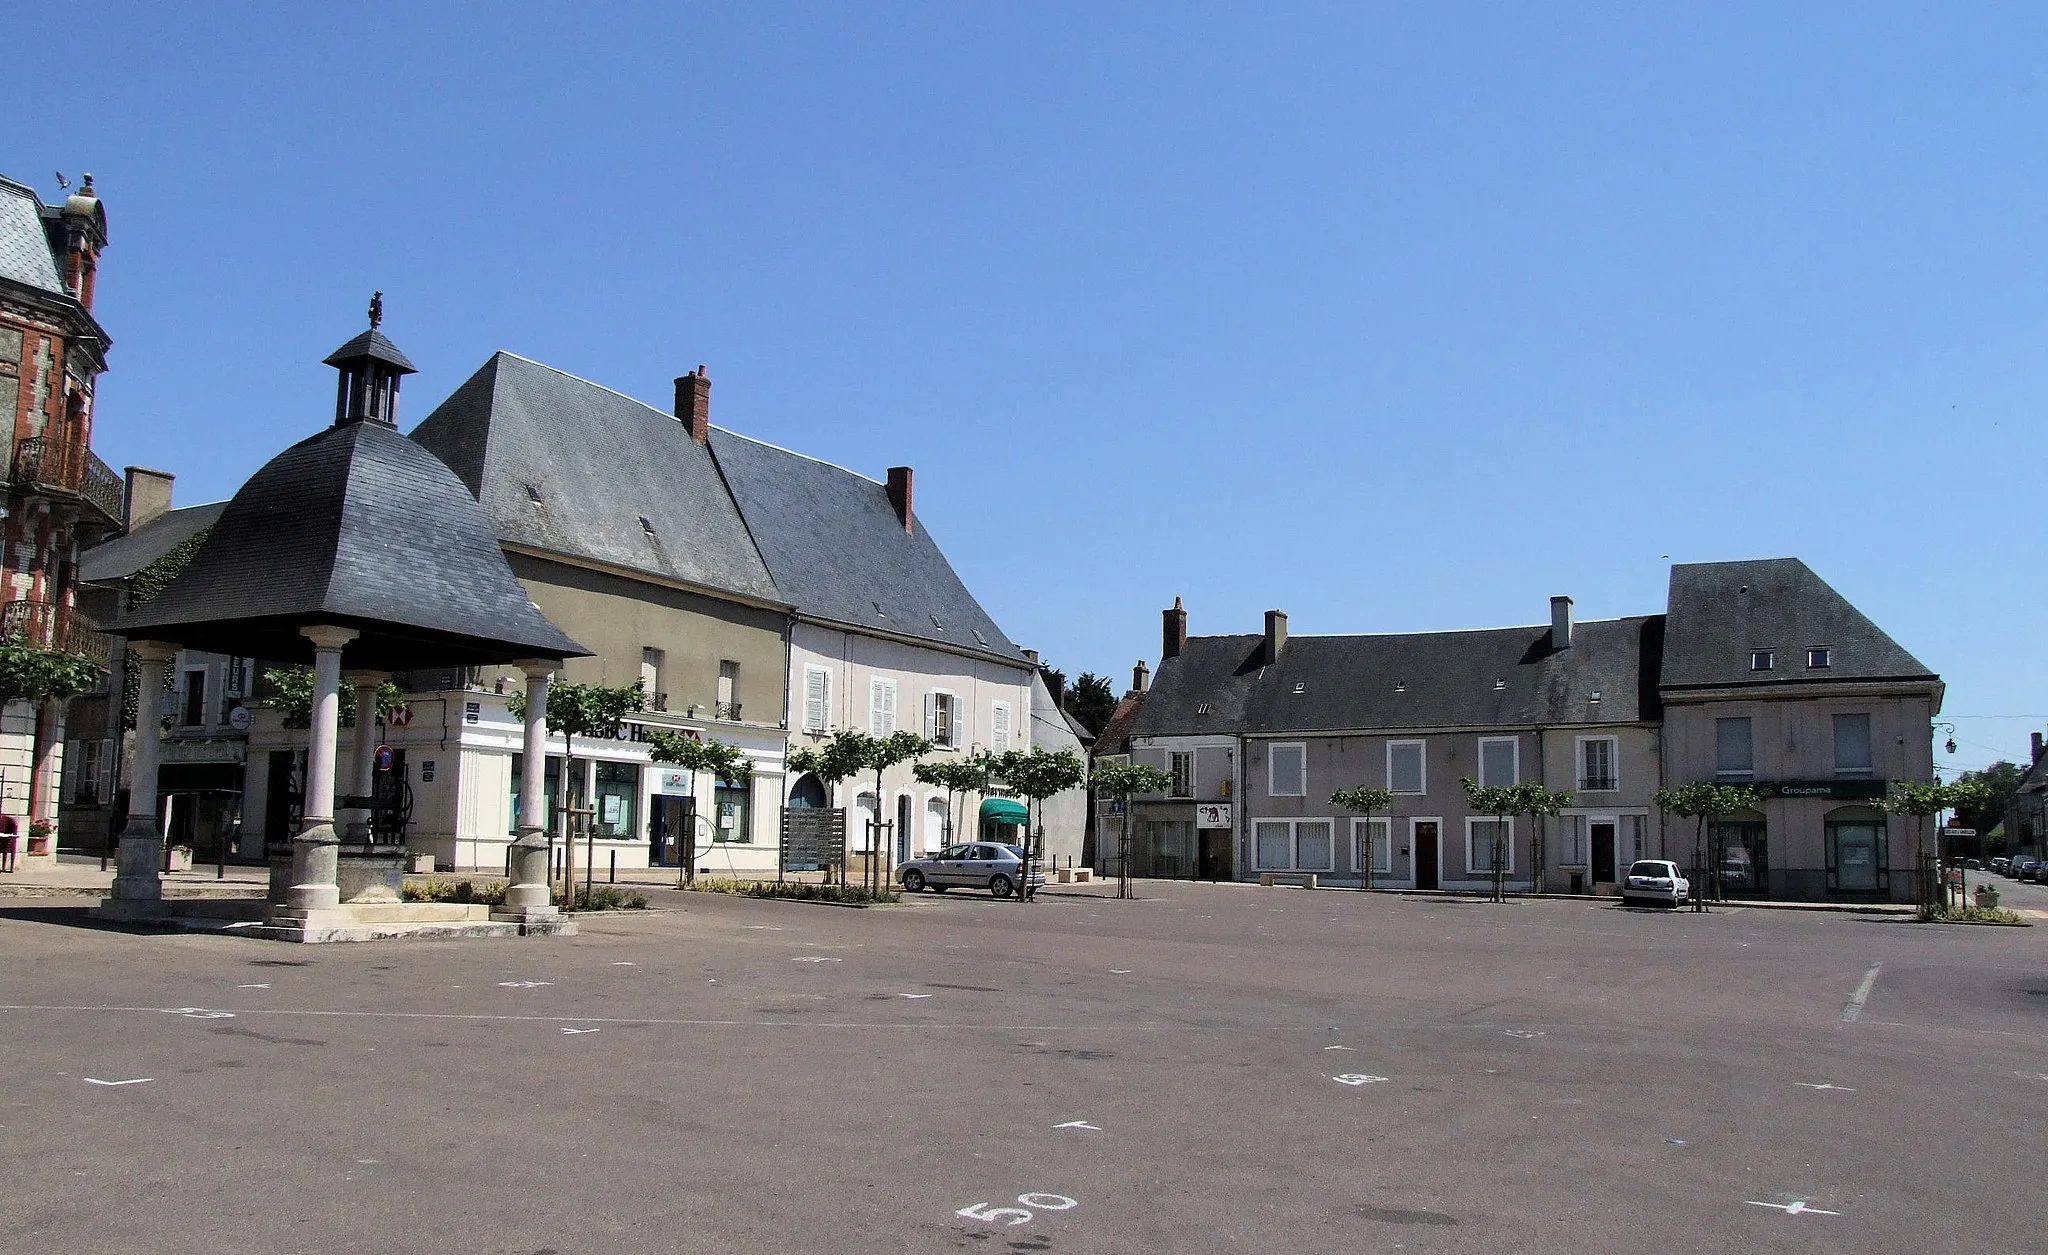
(1426,852)
(1603,852)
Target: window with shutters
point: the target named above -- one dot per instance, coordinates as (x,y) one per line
(817,699)
(942,718)
(1180,768)
(1405,772)
(881,706)
(1287,771)
(999,727)
(1481,836)
(1499,760)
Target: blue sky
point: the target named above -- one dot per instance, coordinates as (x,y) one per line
(1394,317)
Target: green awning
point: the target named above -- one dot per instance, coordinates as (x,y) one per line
(1004,810)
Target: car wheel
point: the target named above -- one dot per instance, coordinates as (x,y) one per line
(1001,886)
(913,880)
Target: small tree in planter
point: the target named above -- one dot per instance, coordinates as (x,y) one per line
(578,710)
(1123,781)
(1367,801)
(959,777)
(723,761)
(1923,799)
(850,751)
(1503,802)
(839,757)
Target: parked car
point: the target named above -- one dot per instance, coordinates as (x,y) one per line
(980,865)
(2000,863)
(1656,881)
(2035,872)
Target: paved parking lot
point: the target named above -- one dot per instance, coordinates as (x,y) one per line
(1215,1068)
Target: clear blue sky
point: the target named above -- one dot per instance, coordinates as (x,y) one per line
(1395,317)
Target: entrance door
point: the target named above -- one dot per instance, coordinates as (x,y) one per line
(1603,851)
(1216,847)
(903,828)
(1425,841)
(668,830)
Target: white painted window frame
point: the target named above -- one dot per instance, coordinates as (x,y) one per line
(1515,759)
(1293,827)
(1613,757)
(1471,823)
(1378,834)
(1422,757)
(1272,752)
(824,723)
(931,718)
(1172,790)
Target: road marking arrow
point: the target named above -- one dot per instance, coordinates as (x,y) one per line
(140,1080)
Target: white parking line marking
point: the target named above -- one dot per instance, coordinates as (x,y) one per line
(1797,1207)
(199,1013)
(524,984)
(916,995)
(1824,1085)
(1121,971)
(1337,1047)
(582,1030)
(1525,1033)
(1356,1078)
(816,958)
(1856,1000)
(264,985)
(1079,1124)
(140,1080)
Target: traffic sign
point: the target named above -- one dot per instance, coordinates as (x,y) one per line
(1958,832)
(385,758)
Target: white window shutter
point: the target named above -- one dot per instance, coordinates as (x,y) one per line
(875,707)
(106,793)
(931,717)
(817,698)
(888,707)
(999,733)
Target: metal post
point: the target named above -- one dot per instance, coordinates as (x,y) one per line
(614,877)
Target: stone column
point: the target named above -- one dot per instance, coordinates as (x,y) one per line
(137,870)
(366,685)
(527,895)
(315,856)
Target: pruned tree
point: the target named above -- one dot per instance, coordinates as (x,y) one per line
(1035,775)
(1366,800)
(1702,801)
(959,777)
(1503,802)
(847,753)
(1124,781)
(724,762)
(1924,799)
(578,710)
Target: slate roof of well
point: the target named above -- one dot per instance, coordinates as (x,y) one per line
(25,255)
(1500,677)
(564,465)
(359,527)
(123,556)
(838,552)
(1720,611)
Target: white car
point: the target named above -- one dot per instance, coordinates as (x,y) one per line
(1654,881)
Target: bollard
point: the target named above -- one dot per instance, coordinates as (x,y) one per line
(614,878)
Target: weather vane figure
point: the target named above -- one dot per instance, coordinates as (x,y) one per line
(376,309)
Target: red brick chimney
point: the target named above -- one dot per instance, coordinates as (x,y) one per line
(899,493)
(693,404)
(1173,633)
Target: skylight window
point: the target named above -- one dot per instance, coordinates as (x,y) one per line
(646,526)
(878,609)
(533,494)
(935,623)
(1761,660)
(978,636)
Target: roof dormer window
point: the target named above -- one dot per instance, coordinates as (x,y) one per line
(1819,657)
(1761,660)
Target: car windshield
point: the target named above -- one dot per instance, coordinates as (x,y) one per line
(1650,869)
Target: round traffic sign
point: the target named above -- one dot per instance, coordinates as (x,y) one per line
(385,758)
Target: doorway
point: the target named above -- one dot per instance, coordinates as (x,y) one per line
(903,821)
(669,830)
(1603,851)
(1216,849)
(1424,837)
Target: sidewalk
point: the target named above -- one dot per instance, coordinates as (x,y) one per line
(79,875)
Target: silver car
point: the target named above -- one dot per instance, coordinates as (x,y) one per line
(1654,880)
(976,865)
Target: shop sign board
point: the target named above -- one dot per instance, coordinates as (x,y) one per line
(1212,815)
(1843,790)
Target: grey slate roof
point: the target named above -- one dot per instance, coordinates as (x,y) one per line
(599,463)
(25,255)
(1721,611)
(1417,680)
(1050,727)
(837,551)
(358,527)
(123,556)
(372,344)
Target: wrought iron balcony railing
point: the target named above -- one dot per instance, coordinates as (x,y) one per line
(1597,784)
(48,625)
(41,462)
(729,710)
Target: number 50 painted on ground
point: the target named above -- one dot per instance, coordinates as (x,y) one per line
(1044,1202)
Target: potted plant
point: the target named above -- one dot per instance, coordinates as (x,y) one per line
(181,858)
(1987,897)
(41,833)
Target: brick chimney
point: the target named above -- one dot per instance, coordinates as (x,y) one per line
(1560,622)
(1276,635)
(1173,631)
(1141,677)
(693,404)
(1056,684)
(2037,748)
(899,493)
(83,222)
(144,496)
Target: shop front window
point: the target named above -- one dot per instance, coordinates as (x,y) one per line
(617,802)
(1857,857)
(554,789)
(730,817)
(1744,859)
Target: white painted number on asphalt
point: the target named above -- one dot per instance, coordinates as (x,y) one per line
(1356,1078)
(1079,1124)
(1823,1085)
(140,1080)
(1797,1207)
(1017,1215)
(523,984)
(199,1013)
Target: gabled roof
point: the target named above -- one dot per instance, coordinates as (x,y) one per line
(1115,737)
(1500,677)
(357,527)
(123,556)
(25,255)
(564,465)
(838,552)
(1050,727)
(1721,611)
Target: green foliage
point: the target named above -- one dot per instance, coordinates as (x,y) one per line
(145,585)
(958,775)
(691,754)
(1365,799)
(1091,701)
(1705,800)
(1037,773)
(842,755)
(439,889)
(1125,781)
(580,709)
(289,691)
(1921,798)
(2001,780)
(32,673)
(606,898)
(796,890)
(1969,915)
(1502,800)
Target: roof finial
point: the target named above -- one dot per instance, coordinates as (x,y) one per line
(376,309)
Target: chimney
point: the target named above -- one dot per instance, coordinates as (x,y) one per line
(1057,684)
(899,494)
(693,404)
(2037,747)
(1560,622)
(1141,677)
(1030,655)
(1276,635)
(146,495)
(1173,632)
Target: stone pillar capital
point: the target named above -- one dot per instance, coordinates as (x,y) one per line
(538,668)
(328,638)
(365,679)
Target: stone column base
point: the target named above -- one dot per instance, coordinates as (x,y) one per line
(316,864)
(138,874)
